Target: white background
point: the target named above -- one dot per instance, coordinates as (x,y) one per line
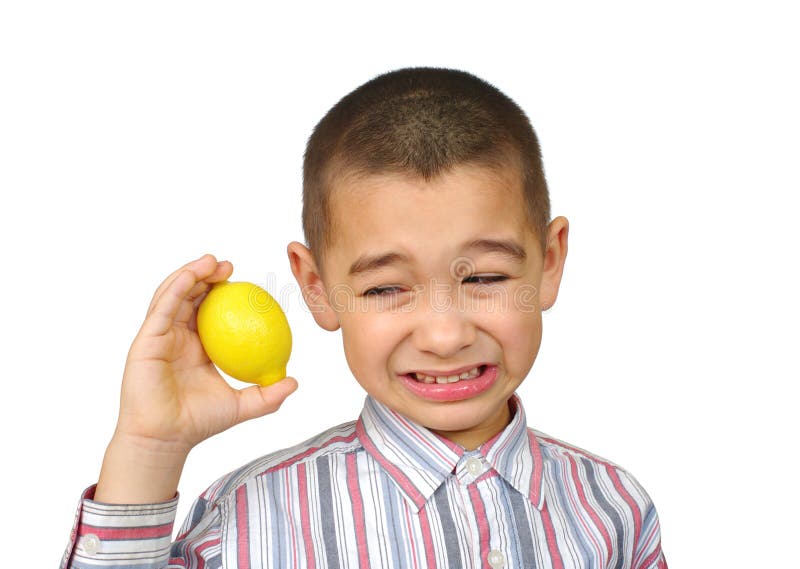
(136,136)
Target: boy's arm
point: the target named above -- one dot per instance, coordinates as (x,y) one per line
(172,399)
(172,396)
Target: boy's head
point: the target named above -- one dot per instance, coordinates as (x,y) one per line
(426,215)
(419,122)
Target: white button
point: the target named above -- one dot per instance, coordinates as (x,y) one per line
(474,466)
(90,543)
(496,559)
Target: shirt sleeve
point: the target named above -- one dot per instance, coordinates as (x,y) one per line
(648,554)
(136,535)
(139,536)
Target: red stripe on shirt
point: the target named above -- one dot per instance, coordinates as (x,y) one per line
(305,519)
(483,523)
(242,529)
(550,533)
(427,539)
(358,511)
(150,532)
(538,466)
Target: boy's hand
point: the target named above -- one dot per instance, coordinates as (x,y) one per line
(172,395)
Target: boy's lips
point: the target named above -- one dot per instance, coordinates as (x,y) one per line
(455,391)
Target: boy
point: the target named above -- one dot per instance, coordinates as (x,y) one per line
(426,214)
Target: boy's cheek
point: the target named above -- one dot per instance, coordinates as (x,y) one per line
(366,334)
(520,335)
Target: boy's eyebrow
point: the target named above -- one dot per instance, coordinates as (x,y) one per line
(505,247)
(368,263)
(511,249)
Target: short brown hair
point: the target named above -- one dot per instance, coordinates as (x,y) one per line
(420,121)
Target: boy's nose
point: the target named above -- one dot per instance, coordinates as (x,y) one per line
(443,330)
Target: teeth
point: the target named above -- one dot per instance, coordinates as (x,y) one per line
(471,374)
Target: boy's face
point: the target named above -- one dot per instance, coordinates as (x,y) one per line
(436,279)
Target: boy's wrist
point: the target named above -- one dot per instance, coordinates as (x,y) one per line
(136,471)
(146,448)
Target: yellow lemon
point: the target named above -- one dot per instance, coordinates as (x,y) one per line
(244,332)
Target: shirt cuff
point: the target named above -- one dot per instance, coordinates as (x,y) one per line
(126,534)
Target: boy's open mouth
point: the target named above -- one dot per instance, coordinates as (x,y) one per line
(463,376)
(453,385)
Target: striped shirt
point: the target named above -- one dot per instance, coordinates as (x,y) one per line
(382,492)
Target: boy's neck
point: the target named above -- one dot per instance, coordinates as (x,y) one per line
(473,438)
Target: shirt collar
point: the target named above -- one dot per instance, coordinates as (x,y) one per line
(419,461)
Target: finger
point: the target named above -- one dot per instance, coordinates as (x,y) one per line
(162,316)
(199,291)
(202,267)
(257,401)
(169,280)
(221,273)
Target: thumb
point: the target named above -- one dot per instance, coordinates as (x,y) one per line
(258,400)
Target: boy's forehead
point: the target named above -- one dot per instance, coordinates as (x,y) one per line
(470,209)
(358,197)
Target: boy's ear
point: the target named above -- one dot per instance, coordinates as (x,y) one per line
(308,277)
(553,263)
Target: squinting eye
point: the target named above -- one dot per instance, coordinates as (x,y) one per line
(485,279)
(381,290)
